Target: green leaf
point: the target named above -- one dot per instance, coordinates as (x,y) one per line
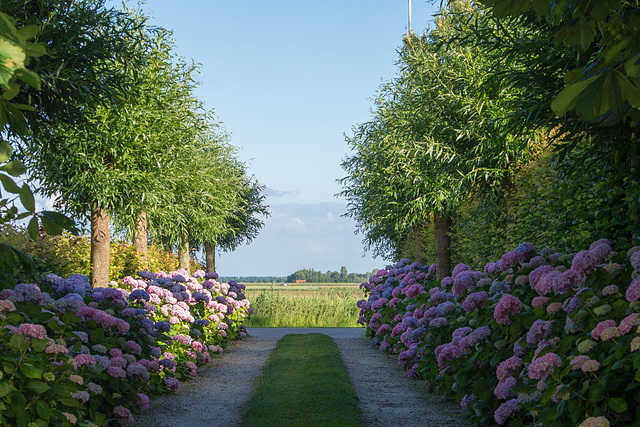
(30,371)
(26,198)
(18,343)
(35,49)
(14,168)
(50,227)
(29,31)
(29,77)
(618,404)
(9,184)
(5,388)
(567,98)
(39,345)
(34,228)
(38,387)
(43,410)
(5,151)
(632,67)
(60,219)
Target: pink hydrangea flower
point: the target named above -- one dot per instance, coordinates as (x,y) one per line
(628,323)
(506,410)
(32,330)
(122,412)
(633,291)
(544,366)
(509,305)
(508,367)
(504,389)
(474,301)
(539,302)
(446,352)
(600,327)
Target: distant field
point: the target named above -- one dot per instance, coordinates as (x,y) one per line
(320,305)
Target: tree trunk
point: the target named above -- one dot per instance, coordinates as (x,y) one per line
(405,247)
(100,246)
(210,256)
(442,237)
(140,239)
(183,256)
(418,242)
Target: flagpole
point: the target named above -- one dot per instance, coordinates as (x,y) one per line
(409,30)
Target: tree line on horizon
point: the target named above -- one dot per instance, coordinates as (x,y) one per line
(309,275)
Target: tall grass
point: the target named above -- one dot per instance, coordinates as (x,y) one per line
(322,308)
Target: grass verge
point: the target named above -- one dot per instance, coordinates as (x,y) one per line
(324,308)
(304,383)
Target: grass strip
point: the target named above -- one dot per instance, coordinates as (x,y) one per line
(304,383)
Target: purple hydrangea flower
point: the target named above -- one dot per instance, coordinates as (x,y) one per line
(509,305)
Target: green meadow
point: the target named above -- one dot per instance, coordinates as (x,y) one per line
(317,305)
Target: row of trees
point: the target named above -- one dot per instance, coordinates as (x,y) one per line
(495,87)
(115,133)
(343,276)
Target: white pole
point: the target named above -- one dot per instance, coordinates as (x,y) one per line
(409,31)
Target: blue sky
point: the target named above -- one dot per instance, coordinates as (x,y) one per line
(288,79)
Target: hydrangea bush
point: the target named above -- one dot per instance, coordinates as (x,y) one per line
(72,355)
(537,338)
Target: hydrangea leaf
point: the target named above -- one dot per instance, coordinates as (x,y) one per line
(43,410)
(30,371)
(38,387)
(618,404)
(5,388)
(18,343)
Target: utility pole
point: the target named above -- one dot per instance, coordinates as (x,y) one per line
(409,30)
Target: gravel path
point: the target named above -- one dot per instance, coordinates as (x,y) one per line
(216,396)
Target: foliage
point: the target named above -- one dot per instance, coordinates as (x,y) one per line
(77,355)
(15,54)
(433,138)
(67,254)
(304,382)
(607,86)
(538,337)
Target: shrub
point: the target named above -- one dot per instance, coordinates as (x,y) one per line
(535,338)
(71,354)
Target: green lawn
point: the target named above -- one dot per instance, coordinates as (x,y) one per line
(304,383)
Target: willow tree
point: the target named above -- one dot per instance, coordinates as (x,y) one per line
(96,164)
(242,225)
(204,191)
(162,115)
(433,141)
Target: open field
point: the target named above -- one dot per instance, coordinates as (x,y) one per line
(304,305)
